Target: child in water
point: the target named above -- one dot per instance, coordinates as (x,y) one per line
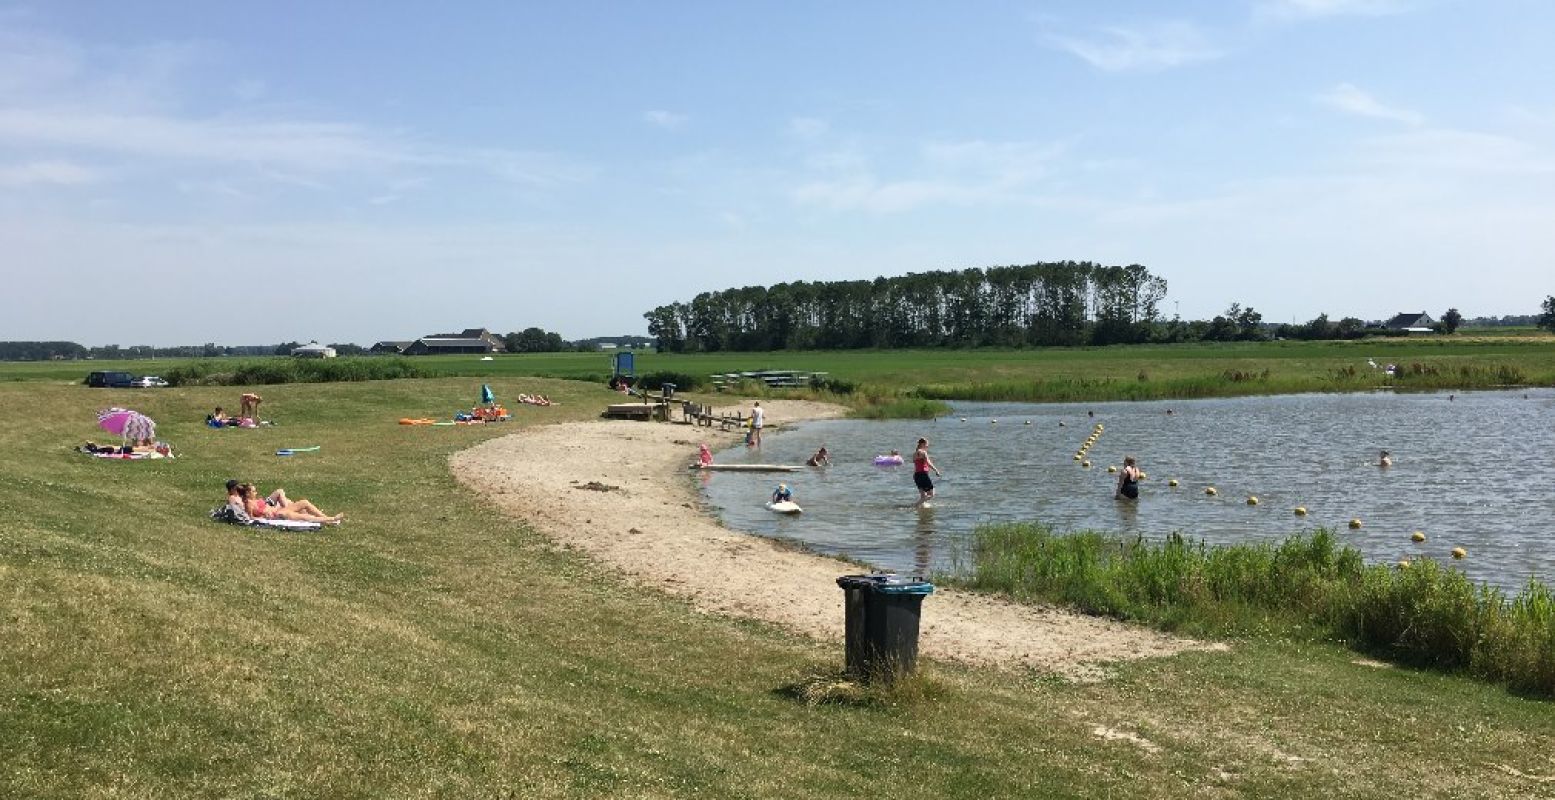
(704,455)
(820,459)
(1385,460)
(781,494)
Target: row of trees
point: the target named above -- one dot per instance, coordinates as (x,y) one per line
(1058,303)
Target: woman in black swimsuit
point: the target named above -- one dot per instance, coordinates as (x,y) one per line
(1128,480)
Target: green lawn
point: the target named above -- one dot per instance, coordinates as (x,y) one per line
(1084,373)
(432,647)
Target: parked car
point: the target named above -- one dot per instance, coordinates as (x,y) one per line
(110,380)
(149,382)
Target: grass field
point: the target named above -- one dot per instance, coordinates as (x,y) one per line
(1059,374)
(431,647)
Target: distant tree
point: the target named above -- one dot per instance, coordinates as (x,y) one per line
(348,349)
(533,340)
(1547,319)
(1451,319)
(286,348)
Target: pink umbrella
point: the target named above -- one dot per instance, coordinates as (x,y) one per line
(126,423)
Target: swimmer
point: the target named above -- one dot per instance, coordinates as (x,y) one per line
(1385,460)
(820,459)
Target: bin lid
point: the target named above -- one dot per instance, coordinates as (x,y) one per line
(886,583)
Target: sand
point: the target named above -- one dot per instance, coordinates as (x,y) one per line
(621,492)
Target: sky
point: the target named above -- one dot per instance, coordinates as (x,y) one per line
(352,171)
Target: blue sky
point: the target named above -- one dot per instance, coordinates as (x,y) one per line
(184,172)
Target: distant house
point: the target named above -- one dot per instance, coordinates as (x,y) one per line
(470,340)
(314,350)
(1412,323)
(389,347)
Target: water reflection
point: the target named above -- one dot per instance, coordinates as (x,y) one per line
(1461,474)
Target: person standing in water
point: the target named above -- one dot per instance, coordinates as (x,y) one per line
(1128,480)
(921,464)
(1384,460)
(758,417)
(820,459)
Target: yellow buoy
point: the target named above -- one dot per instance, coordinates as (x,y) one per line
(1172,482)
(1085,464)
(1355,523)
(1301,511)
(1458,552)
(993,422)
(1209,490)
(1077,456)
(1403,564)
(1417,536)
(1112,469)
(1028,422)
(1252,501)
(1143,476)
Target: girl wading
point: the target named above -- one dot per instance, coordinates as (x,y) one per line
(921,464)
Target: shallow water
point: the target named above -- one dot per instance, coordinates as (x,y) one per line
(1470,470)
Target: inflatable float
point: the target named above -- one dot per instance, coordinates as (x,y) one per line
(888,461)
(785,507)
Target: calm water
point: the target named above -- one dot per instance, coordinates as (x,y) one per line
(1470,470)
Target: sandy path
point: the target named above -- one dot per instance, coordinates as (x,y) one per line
(652,528)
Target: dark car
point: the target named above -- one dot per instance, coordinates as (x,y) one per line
(110,380)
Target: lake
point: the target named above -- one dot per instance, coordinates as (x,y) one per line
(1470,470)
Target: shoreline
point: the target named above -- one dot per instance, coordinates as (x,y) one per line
(620,492)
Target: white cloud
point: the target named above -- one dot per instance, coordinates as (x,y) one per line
(807,127)
(968,173)
(1441,151)
(1311,9)
(667,120)
(1351,99)
(283,145)
(55,173)
(1141,49)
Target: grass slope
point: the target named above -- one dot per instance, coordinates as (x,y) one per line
(432,647)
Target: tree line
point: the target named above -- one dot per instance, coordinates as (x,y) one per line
(1054,303)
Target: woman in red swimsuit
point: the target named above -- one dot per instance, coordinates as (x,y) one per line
(921,464)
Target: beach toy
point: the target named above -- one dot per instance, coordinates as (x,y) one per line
(1252,501)
(1458,552)
(1417,536)
(888,461)
(1355,524)
(1210,490)
(1301,511)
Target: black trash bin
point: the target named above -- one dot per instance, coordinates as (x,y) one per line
(668,389)
(881,624)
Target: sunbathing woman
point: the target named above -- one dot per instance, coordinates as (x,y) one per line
(300,510)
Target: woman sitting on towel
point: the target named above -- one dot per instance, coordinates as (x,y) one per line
(300,510)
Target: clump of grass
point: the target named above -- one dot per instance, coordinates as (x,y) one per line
(829,688)
(1310,584)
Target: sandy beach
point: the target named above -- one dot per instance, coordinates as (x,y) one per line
(621,492)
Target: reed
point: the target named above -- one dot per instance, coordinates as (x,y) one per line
(290,370)
(1424,614)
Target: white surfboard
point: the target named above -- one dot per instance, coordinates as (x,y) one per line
(785,507)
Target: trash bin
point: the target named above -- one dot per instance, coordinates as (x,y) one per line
(669,390)
(880,619)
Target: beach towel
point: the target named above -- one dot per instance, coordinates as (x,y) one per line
(236,516)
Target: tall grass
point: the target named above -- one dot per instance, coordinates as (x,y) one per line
(1424,614)
(291,370)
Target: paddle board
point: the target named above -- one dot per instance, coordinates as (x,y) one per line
(785,507)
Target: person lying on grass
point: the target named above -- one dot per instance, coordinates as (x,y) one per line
(283,508)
